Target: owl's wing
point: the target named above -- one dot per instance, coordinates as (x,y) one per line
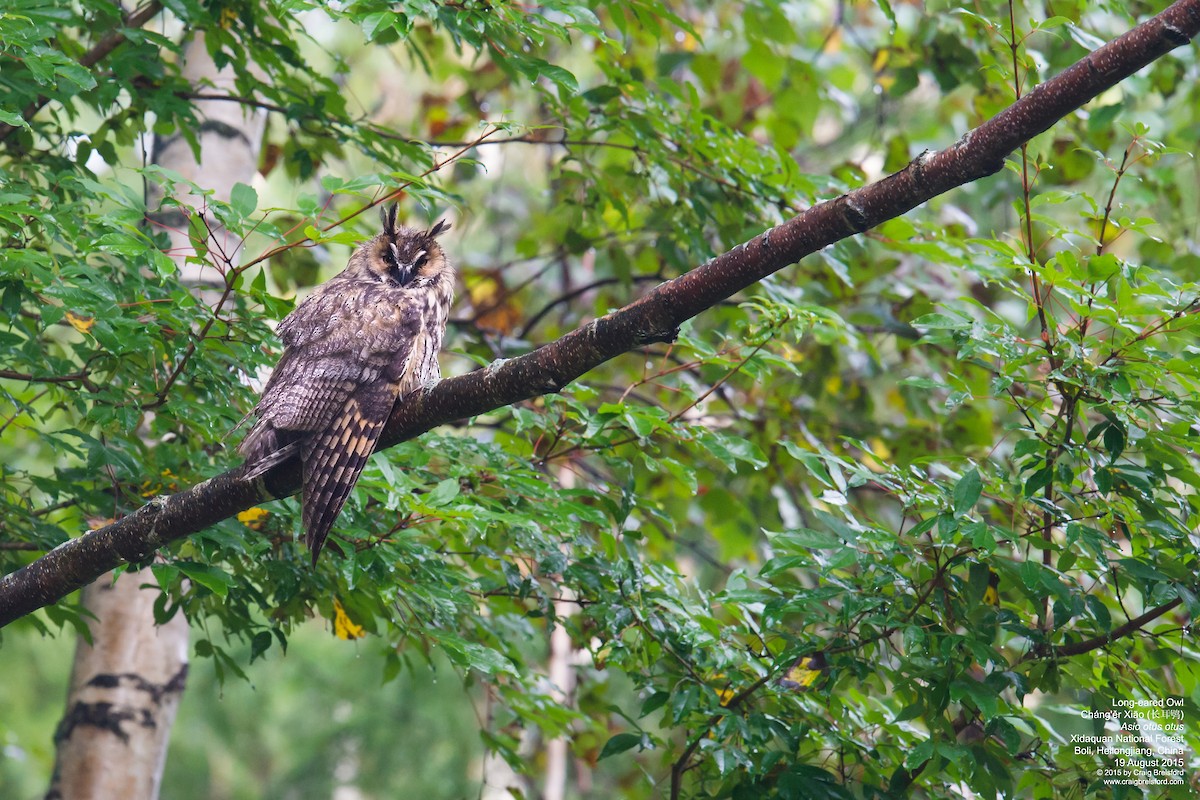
(304,394)
(335,457)
(322,364)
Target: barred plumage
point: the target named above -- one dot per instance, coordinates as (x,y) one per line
(368,336)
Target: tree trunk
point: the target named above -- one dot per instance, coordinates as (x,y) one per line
(125,690)
(126,685)
(560,668)
(561,664)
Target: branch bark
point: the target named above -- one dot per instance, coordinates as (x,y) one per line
(652,318)
(1096,642)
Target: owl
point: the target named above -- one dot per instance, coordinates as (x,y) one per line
(360,341)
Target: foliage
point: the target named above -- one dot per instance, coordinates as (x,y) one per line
(950,460)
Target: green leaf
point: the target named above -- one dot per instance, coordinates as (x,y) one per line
(1141,569)
(208,576)
(654,702)
(536,68)
(939,321)
(1114,441)
(443,493)
(922,383)
(601,94)
(76,74)
(620,743)
(486,660)
(243,199)
(13,118)
(1099,612)
(967,492)
(373,24)
(804,539)
(812,462)
(260,644)
(1026,447)
(984,698)
(1038,480)
(918,755)
(886,7)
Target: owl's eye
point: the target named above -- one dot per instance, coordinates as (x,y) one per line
(420,259)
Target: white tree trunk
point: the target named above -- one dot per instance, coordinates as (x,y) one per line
(562,663)
(126,686)
(230,136)
(560,668)
(125,690)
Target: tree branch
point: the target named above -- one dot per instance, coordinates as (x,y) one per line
(74,377)
(1096,642)
(653,318)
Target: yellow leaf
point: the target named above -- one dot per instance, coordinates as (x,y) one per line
(150,489)
(1112,231)
(991,595)
(875,459)
(804,673)
(253,517)
(494,309)
(833,41)
(81,324)
(600,659)
(880,448)
(791,353)
(726,692)
(343,626)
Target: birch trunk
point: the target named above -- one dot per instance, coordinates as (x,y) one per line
(126,685)
(125,690)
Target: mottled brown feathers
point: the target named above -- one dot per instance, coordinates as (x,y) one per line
(360,341)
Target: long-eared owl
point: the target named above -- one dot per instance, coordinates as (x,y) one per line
(360,341)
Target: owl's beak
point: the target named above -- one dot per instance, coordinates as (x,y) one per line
(406,273)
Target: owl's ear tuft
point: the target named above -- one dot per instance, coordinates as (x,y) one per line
(439,227)
(388,216)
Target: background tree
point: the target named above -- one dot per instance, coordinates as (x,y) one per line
(129,672)
(788,524)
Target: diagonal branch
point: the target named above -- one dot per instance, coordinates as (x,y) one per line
(652,318)
(1096,642)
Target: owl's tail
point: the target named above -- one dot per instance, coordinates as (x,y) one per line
(335,457)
